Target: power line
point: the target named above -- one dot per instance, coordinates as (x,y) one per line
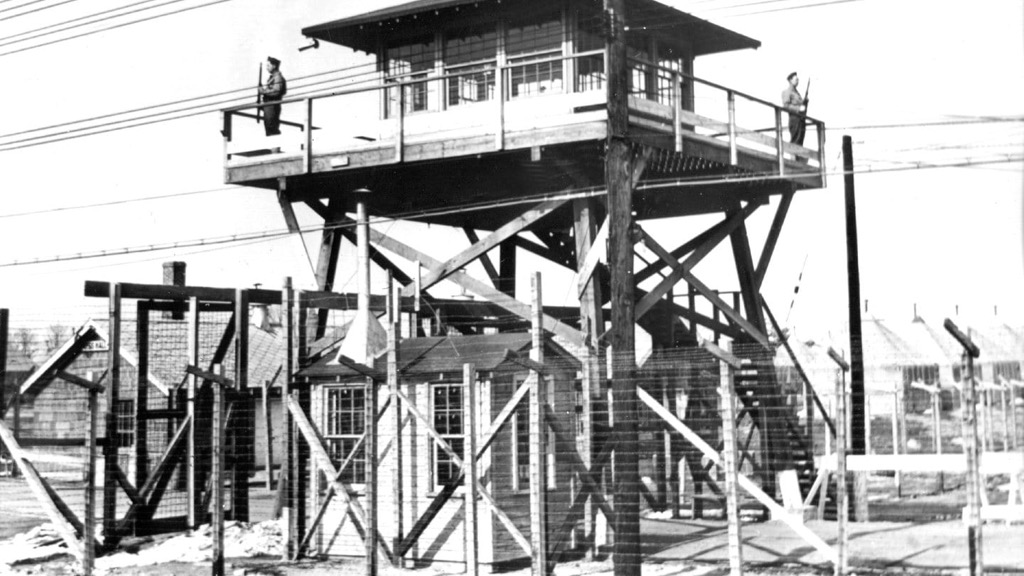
(108,28)
(473,207)
(115,202)
(40,9)
(80,18)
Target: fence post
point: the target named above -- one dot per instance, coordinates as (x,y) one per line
(903,428)
(842,508)
(780,155)
(110,464)
(469,408)
(4,317)
(731,469)
(372,476)
(284,479)
(937,423)
(89,522)
(968,411)
(192,513)
(538,446)
(217,472)
(897,476)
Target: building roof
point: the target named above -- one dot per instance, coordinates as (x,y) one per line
(447,354)
(362,31)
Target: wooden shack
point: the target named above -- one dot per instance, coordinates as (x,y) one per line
(431,376)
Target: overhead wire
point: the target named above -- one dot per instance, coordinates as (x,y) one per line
(79,19)
(34,10)
(113,27)
(577,193)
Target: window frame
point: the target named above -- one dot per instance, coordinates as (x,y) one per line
(334,435)
(454,418)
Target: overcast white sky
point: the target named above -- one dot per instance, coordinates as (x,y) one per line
(939,238)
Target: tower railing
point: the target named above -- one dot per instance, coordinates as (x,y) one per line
(529,100)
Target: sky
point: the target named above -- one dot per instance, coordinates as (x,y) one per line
(917,84)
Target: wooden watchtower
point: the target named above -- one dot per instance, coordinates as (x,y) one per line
(493,116)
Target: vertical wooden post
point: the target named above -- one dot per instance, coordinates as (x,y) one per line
(903,426)
(677,107)
(469,408)
(285,485)
(191,490)
(896,448)
(969,411)
(89,522)
(398,504)
(538,445)
(983,416)
(1006,423)
(400,124)
(4,327)
(842,507)
(499,128)
(592,325)
(110,465)
(937,425)
(301,468)
(243,435)
(372,476)
(307,154)
(733,151)
(780,156)
(857,437)
(728,399)
(1013,414)
(142,394)
(618,179)
(268,436)
(217,472)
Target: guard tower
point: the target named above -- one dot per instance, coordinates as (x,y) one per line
(493,116)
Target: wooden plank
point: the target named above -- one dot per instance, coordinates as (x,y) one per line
(372,478)
(398,488)
(217,478)
(241,438)
(130,490)
(441,271)
(499,298)
(538,438)
(142,393)
(472,479)
(773,237)
(284,484)
(732,505)
(268,442)
(744,482)
(989,463)
(598,249)
(110,448)
(586,475)
(79,381)
(160,474)
(680,269)
(89,527)
(191,478)
(485,260)
(323,461)
(39,488)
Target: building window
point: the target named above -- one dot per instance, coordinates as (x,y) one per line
(346,422)
(446,412)
(1005,370)
(927,374)
(589,69)
(530,45)
(641,73)
(521,444)
(469,55)
(410,62)
(124,411)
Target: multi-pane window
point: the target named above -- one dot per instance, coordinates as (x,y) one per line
(469,55)
(530,45)
(589,69)
(1006,370)
(521,446)
(124,413)
(925,373)
(411,62)
(641,77)
(346,421)
(666,80)
(446,411)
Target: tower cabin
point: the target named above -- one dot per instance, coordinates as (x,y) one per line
(484,101)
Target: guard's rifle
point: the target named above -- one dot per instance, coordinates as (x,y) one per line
(807,95)
(259,96)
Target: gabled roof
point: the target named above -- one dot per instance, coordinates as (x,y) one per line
(447,354)
(66,354)
(362,31)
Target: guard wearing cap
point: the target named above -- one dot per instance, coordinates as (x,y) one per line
(273,91)
(796,105)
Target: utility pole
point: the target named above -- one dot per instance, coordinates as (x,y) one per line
(857,399)
(618,178)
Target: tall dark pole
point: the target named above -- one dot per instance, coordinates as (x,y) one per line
(858,443)
(618,176)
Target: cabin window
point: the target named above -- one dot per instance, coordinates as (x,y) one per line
(469,57)
(446,414)
(410,63)
(530,46)
(521,441)
(1005,370)
(346,421)
(641,73)
(926,373)
(665,80)
(589,69)
(124,412)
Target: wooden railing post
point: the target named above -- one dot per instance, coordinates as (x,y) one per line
(499,131)
(677,105)
(780,155)
(400,121)
(225,131)
(307,154)
(733,154)
(820,127)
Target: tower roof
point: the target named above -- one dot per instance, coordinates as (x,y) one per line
(362,31)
